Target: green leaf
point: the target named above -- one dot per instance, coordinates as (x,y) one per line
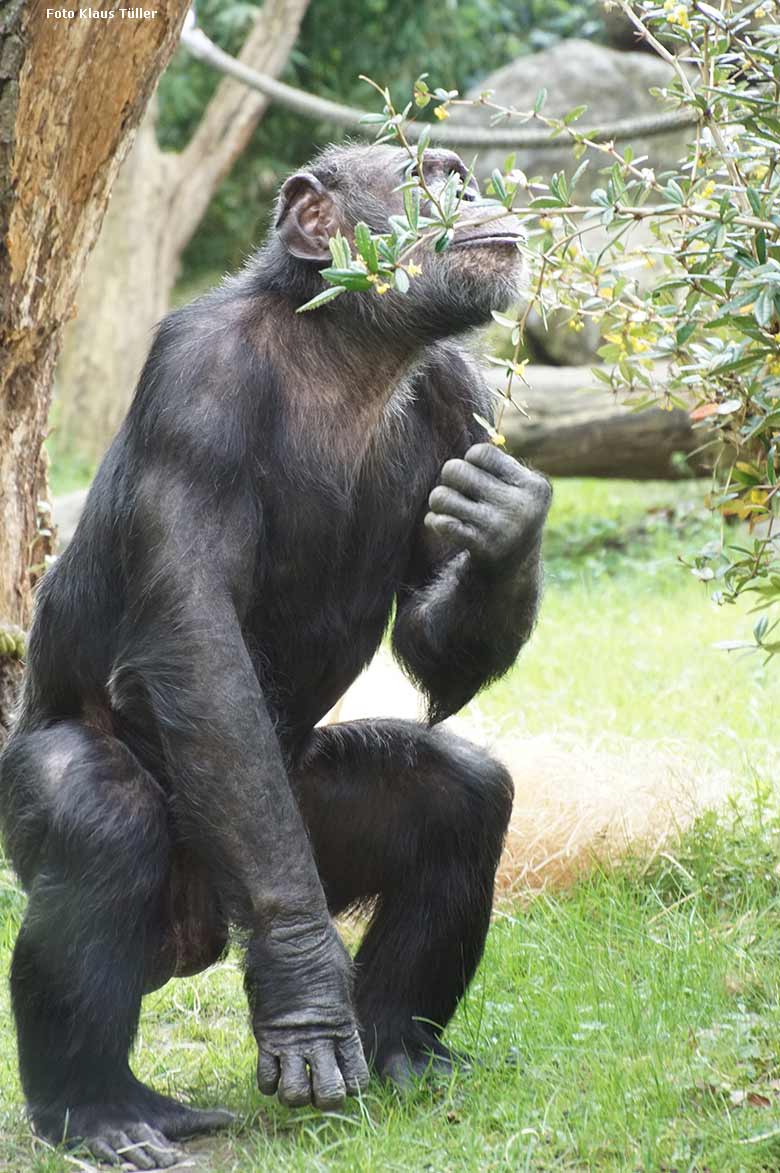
(354,279)
(684,332)
(321,299)
(503,320)
(366,247)
(755,200)
(401,281)
(339,250)
(764,307)
(412,206)
(497,184)
(674,192)
(573,115)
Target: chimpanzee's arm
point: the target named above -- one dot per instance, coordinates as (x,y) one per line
(193,547)
(472,590)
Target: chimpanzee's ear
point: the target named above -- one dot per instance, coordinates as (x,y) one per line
(306,217)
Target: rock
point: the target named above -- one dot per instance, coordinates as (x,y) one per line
(615,85)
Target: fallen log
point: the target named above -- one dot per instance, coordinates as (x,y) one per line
(576,427)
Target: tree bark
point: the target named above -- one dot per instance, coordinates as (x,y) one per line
(71,94)
(158,202)
(575,427)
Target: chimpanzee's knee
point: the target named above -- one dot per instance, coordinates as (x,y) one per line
(478,794)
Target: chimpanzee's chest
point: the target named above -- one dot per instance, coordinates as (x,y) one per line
(336,545)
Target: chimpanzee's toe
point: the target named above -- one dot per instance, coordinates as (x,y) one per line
(137,1144)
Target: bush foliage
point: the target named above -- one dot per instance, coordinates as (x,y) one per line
(711,313)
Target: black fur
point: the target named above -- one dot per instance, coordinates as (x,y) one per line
(243,545)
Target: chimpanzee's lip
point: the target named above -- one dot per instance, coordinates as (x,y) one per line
(487,238)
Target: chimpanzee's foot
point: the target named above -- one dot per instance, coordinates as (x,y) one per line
(404,1064)
(137,1126)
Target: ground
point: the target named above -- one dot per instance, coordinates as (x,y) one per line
(643,1002)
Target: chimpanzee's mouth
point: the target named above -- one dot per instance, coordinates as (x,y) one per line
(487,238)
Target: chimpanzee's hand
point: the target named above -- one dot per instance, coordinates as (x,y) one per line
(309,1051)
(491,505)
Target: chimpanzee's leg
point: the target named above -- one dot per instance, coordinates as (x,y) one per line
(413,818)
(87,830)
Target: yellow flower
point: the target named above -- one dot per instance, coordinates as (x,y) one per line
(441,112)
(773,365)
(381,287)
(707,190)
(638,345)
(679,16)
(545,222)
(413,270)
(605,291)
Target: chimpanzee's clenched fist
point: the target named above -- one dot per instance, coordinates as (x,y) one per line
(490,505)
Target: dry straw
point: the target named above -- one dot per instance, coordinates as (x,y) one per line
(576,803)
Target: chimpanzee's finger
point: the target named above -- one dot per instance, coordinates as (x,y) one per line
(451,529)
(497,463)
(267,1072)
(294,1084)
(353,1064)
(449,501)
(327,1082)
(472,482)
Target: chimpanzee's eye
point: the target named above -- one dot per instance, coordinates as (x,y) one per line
(467,184)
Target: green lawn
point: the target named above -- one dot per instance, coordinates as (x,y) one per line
(643,1005)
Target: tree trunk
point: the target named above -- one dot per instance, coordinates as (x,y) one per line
(575,427)
(158,202)
(71,95)
(124,292)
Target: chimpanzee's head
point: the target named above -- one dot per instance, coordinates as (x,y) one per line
(480,271)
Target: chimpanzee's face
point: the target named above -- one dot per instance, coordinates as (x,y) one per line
(481,267)
(485,242)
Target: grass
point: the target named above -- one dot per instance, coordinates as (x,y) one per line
(643,1004)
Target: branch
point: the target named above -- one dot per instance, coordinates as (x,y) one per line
(351,117)
(232,115)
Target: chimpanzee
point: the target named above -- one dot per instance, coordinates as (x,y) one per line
(282,485)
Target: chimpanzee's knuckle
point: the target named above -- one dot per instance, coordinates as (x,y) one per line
(543,494)
(451,468)
(542,486)
(486,456)
(481,450)
(437,497)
